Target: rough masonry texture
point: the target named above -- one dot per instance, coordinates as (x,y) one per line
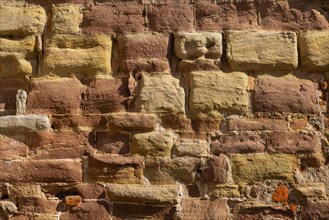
(164,109)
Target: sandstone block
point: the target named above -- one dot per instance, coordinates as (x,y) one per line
(218,91)
(115,169)
(315,210)
(208,122)
(257,124)
(105,94)
(33,205)
(11,149)
(81,55)
(195,209)
(78,122)
(28,20)
(190,147)
(255,168)
(66,19)
(216,170)
(88,210)
(224,191)
(160,195)
(311,191)
(112,142)
(50,2)
(164,97)
(138,51)
(18,57)
(90,190)
(292,143)
(178,17)
(186,66)
(25,190)
(152,143)
(24,123)
(54,95)
(119,18)
(72,200)
(225,15)
(314,50)
(237,143)
(41,171)
(262,50)
(130,121)
(285,95)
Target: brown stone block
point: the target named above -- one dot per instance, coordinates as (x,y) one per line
(285,95)
(40,171)
(120,18)
(315,210)
(176,122)
(105,94)
(216,170)
(186,66)
(257,124)
(72,200)
(50,2)
(78,122)
(292,143)
(115,169)
(224,16)
(168,18)
(285,15)
(112,142)
(90,190)
(298,123)
(88,210)
(207,122)
(129,121)
(237,143)
(11,149)
(32,205)
(57,96)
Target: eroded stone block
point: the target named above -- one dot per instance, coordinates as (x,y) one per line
(66,19)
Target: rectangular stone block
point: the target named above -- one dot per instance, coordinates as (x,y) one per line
(223,92)
(88,210)
(159,195)
(120,18)
(18,57)
(50,2)
(47,171)
(178,17)
(28,20)
(78,122)
(66,19)
(33,205)
(25,123)
(285,95)
(255,168)
(226,15)
(292,143)
(164,97)
(143,52)
(314,50)
(191,147)
(262,50)
(81,55)
(216,170)
(112,142)
(257,124)
(115,169)
(11,149)
(90,190)
(54,95)
(130,121)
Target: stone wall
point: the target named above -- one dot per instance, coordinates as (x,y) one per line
(164,109)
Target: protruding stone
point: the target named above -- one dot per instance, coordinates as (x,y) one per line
(24,123)
(311,191)
(72,200)
(21,97)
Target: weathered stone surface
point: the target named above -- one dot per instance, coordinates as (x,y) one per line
(314,50)
(152,143)
(299,123)
(178,17)
(257,124)
(88,210)
(50,2)
(33,205)
(11,149)
(90,190)
(105,94)
(143,52)
(192,46)
(130,121)
(316,175)
(81,55)
(315,210)
(24,123)
(28,20)
(290,15)
(18,57)
(133,211)
(176,122)
(72,200)
(218,91)
(216,170)
(255,168)
(285,95)
(164,97)
(112,142)
(225,15)
(224,191)
(208,122)
(311,191)
(262,50)
(40,171)
(187,66)
(292,143)
(25,190)
(114,169)
(66,19)
(54,95)
(195,209)
(237,143)
(120,18)
(167,171)
(78,122)
(161,195)
(190,147)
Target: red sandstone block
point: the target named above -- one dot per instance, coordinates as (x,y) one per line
(77,122)
(224,16)
(206,122)
(90,190)
(168,18)
(257,124)
(72,200)
(105,94)
(285,95)
(40,171)
(56,96)
(216,170)
(292,143)
(32,205)
(122,18)
(284,15)
(315,210)
(112,142)
(11,149)
(50,2)
(88,210)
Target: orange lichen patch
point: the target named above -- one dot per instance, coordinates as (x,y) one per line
(72,200)
(281,194)
(293,207)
